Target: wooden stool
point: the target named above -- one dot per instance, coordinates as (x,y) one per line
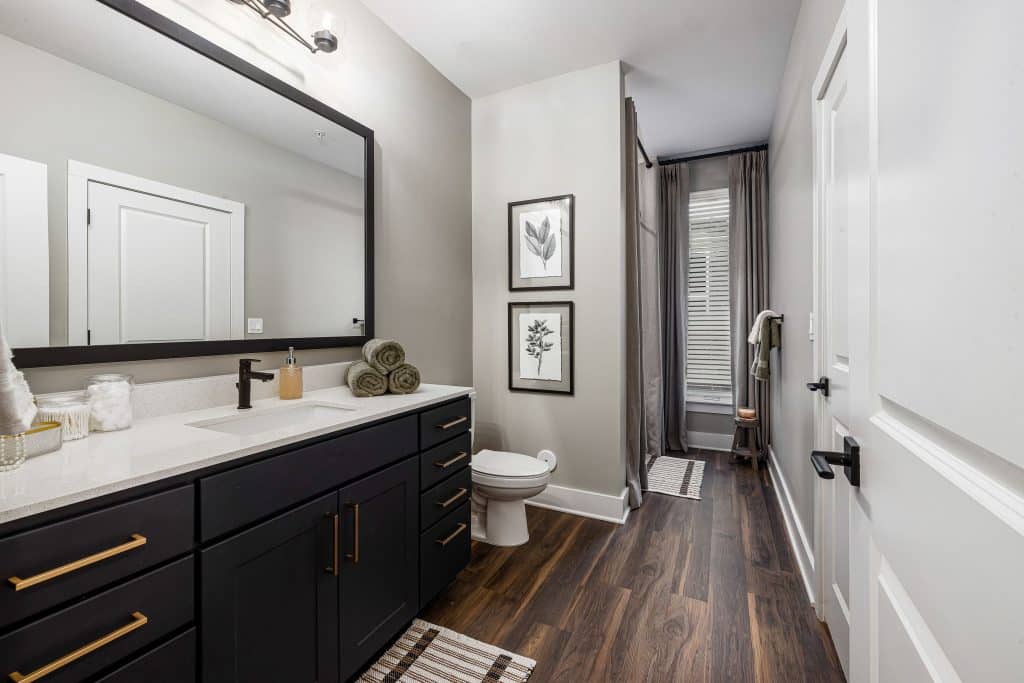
(747,430)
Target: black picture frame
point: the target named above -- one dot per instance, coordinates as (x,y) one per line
(114,353)
(513,235)
(570,307)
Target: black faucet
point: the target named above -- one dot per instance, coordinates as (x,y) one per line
(245,377)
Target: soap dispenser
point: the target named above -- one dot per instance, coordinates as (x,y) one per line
(291,377)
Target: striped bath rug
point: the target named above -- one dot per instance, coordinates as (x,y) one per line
(675,476)
(430,654)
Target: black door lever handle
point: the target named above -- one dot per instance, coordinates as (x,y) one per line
(821,385)
(849,460)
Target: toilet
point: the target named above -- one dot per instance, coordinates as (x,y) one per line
(502,482)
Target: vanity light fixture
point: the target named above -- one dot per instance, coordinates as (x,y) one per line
(275,12)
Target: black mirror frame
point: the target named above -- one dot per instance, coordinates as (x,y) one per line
(113,353)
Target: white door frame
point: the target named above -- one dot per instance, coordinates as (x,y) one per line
(79,176)
(822,425)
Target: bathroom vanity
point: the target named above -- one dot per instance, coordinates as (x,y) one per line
(294,554)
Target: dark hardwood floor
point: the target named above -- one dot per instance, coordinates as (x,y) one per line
(686,591)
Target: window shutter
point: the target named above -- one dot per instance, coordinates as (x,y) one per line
(707,333)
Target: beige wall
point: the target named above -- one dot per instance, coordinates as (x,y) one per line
(790,236)
(423,205)
(558,136)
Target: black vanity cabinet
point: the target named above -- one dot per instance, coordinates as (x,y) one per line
(380,561)
(270,600)
(299,564)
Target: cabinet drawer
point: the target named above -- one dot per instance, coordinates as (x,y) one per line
(172,662)
(245,494)
(443,461)
(444,552)
(53,564)
(96,633)
(440,424)
(446,497)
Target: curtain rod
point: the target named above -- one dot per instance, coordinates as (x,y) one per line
(647,160)
(665,161)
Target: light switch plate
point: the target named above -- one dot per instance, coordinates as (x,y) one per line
(255,326)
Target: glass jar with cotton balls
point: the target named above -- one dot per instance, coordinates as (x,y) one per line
(110,402)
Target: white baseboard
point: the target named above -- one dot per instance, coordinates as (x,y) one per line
(794,528)
(584,503)
(710,441)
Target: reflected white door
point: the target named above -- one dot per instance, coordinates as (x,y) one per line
(159,269)
(24,253)
(832,412)
(934,150)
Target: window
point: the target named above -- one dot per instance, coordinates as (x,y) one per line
(708,377)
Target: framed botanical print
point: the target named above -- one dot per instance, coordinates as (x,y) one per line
(541,243)
(540,346)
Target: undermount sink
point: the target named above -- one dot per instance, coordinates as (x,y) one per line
(259,420)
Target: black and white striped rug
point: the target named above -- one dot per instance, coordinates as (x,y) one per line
(675,476)
(427,653)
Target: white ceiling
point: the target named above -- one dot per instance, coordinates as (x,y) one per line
(704,73)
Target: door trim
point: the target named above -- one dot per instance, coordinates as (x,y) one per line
(830,60)
(80,174)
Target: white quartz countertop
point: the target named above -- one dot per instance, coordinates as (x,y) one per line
(161,447)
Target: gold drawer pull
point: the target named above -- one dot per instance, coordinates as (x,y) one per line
(354,555)
(445,464)
(459,494)
(138,621)
(21,584)
(453,423)
(452,536)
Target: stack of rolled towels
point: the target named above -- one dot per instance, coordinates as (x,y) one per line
(383,369)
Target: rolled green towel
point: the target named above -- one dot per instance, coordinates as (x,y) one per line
(404,379)
(383,354)
(365,381)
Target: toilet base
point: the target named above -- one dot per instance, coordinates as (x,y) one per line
(502,523)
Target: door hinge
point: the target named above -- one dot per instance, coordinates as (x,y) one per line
(88,217)
(88,337)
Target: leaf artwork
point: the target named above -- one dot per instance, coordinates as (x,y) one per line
(535,344)
(541,241)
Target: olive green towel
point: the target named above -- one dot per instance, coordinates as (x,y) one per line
(383,354)
(769,338)
(365,381)
(404,379)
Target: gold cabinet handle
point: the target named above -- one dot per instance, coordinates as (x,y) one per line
(354,555)
(458,494)
(452,536)
(453,423)
(21,584)
(333,569)
(445,464)
(138,621)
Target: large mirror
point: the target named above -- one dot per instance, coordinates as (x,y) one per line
(159,197)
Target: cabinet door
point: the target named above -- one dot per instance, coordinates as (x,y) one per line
(270,600)
(380,563)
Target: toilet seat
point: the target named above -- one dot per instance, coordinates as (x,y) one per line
(502,465)
(509,483)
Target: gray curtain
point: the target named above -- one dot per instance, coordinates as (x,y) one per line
(643,329)
(674,231)
(748,274)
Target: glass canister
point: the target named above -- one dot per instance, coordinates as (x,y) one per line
(110,402)
(70,410)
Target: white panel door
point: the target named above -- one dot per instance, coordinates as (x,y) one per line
(935,247)
(832,412)
(24,253)
(159,269)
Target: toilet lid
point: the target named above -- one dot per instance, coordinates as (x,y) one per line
(504,464)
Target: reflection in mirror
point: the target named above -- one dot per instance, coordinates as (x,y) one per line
(150,194)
